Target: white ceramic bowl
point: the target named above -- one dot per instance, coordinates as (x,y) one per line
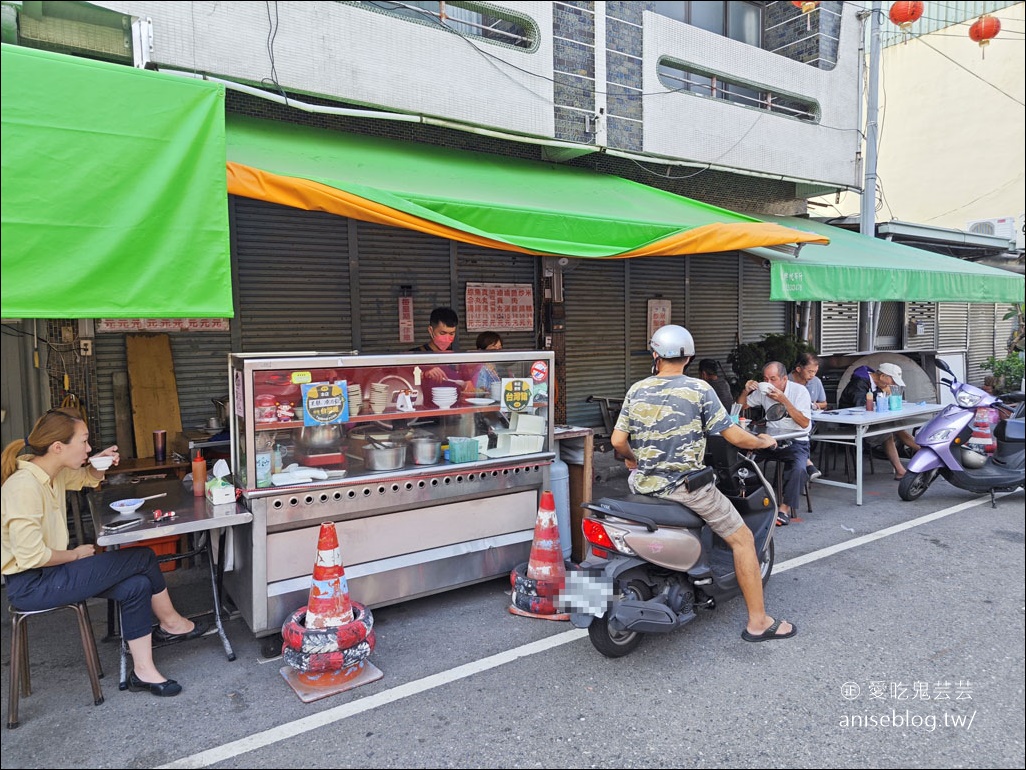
(101,463)
(765,387)
(127,506)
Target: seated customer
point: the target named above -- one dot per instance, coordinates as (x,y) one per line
(804,373)
(709,370)
(794,398)
(42,572)
(878,381)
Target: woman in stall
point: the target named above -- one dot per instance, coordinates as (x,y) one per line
(42,572)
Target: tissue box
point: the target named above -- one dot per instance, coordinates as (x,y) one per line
(220,492)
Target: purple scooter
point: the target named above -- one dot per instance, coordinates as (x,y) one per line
(944,449)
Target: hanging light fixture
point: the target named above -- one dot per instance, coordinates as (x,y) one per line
(906,14)
(983,30)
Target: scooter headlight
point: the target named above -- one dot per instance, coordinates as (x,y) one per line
(939,436)
(967,399)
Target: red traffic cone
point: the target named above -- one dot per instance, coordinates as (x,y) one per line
(329,603)
(546,571)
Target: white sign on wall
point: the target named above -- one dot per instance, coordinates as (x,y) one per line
(658,315)
(500,307)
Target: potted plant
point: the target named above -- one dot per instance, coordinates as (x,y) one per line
(747,359)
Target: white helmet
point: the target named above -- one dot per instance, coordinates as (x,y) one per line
(672,341)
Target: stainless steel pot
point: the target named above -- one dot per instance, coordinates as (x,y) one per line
(426,451)
(387,457)
(320,437)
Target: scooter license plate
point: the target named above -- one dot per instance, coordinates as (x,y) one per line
(586,592)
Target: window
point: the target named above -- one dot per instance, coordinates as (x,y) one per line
(736,20)
(680,77)
(470,19)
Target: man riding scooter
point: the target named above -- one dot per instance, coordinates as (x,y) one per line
(661,433)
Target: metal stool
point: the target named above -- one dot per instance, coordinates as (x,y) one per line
(21,683)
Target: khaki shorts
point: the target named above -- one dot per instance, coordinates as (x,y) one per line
(713,506)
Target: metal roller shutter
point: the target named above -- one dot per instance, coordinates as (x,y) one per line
(480,265)
(714,302)
(759,315)
(653,278)
(838,327)
(921,327)
(952,327)
(982,333)
(389,258)
(293,278)
(596,333)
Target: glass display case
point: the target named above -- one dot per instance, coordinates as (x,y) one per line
(430,466)
(302,419)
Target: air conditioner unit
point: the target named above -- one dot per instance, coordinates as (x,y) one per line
(1001,227)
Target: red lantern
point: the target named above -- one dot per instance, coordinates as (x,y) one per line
(806,7)
(984,30)
(906,14)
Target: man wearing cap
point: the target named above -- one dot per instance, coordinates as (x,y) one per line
(866,380)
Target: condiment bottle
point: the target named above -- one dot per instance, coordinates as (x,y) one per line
(199,474)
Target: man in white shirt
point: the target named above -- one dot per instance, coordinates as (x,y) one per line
(776,388)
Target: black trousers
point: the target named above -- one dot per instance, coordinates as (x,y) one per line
(794,456)
(131,576)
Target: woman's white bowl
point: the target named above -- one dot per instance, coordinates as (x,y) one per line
(101,462)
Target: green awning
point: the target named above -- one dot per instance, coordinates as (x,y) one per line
(489,200)
(114,198)
(857,268)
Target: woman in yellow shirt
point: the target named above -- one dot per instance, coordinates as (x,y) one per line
(42,572)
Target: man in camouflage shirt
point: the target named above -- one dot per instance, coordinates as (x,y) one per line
(661,433)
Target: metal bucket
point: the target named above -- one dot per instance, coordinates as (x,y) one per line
(426,451)
(387,457)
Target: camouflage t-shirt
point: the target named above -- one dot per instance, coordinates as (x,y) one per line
(667,420)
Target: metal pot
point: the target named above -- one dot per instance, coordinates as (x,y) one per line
(221,405)
(321,437)
(387,457)
(426,451)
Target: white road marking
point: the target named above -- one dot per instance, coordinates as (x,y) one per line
(289,730)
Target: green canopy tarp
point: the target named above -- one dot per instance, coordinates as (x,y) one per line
(114,199)
(490,200)
(857,268)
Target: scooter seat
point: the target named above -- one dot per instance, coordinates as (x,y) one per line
(649,508)
(1015,430)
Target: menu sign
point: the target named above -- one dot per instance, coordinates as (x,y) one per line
(500,307)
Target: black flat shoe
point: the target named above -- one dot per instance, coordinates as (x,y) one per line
(162,636)
(164,689)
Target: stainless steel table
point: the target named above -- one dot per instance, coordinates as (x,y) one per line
(860,425)
(192,514)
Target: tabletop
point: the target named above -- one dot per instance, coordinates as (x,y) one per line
(192,514)
(857,415)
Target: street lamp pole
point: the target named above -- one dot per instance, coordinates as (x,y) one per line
(867,212)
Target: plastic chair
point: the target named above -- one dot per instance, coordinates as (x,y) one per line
(21,682)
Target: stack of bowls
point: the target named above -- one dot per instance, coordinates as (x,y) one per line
(443,398)
(381,394)
(355,399)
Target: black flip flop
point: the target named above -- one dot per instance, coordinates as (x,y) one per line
(770,633)
(783,519)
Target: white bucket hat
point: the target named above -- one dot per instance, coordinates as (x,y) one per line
(894,371)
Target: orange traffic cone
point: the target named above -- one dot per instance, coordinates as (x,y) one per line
(534,591)
(329,603)
(326,643)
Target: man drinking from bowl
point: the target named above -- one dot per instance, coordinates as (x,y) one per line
(777,389)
